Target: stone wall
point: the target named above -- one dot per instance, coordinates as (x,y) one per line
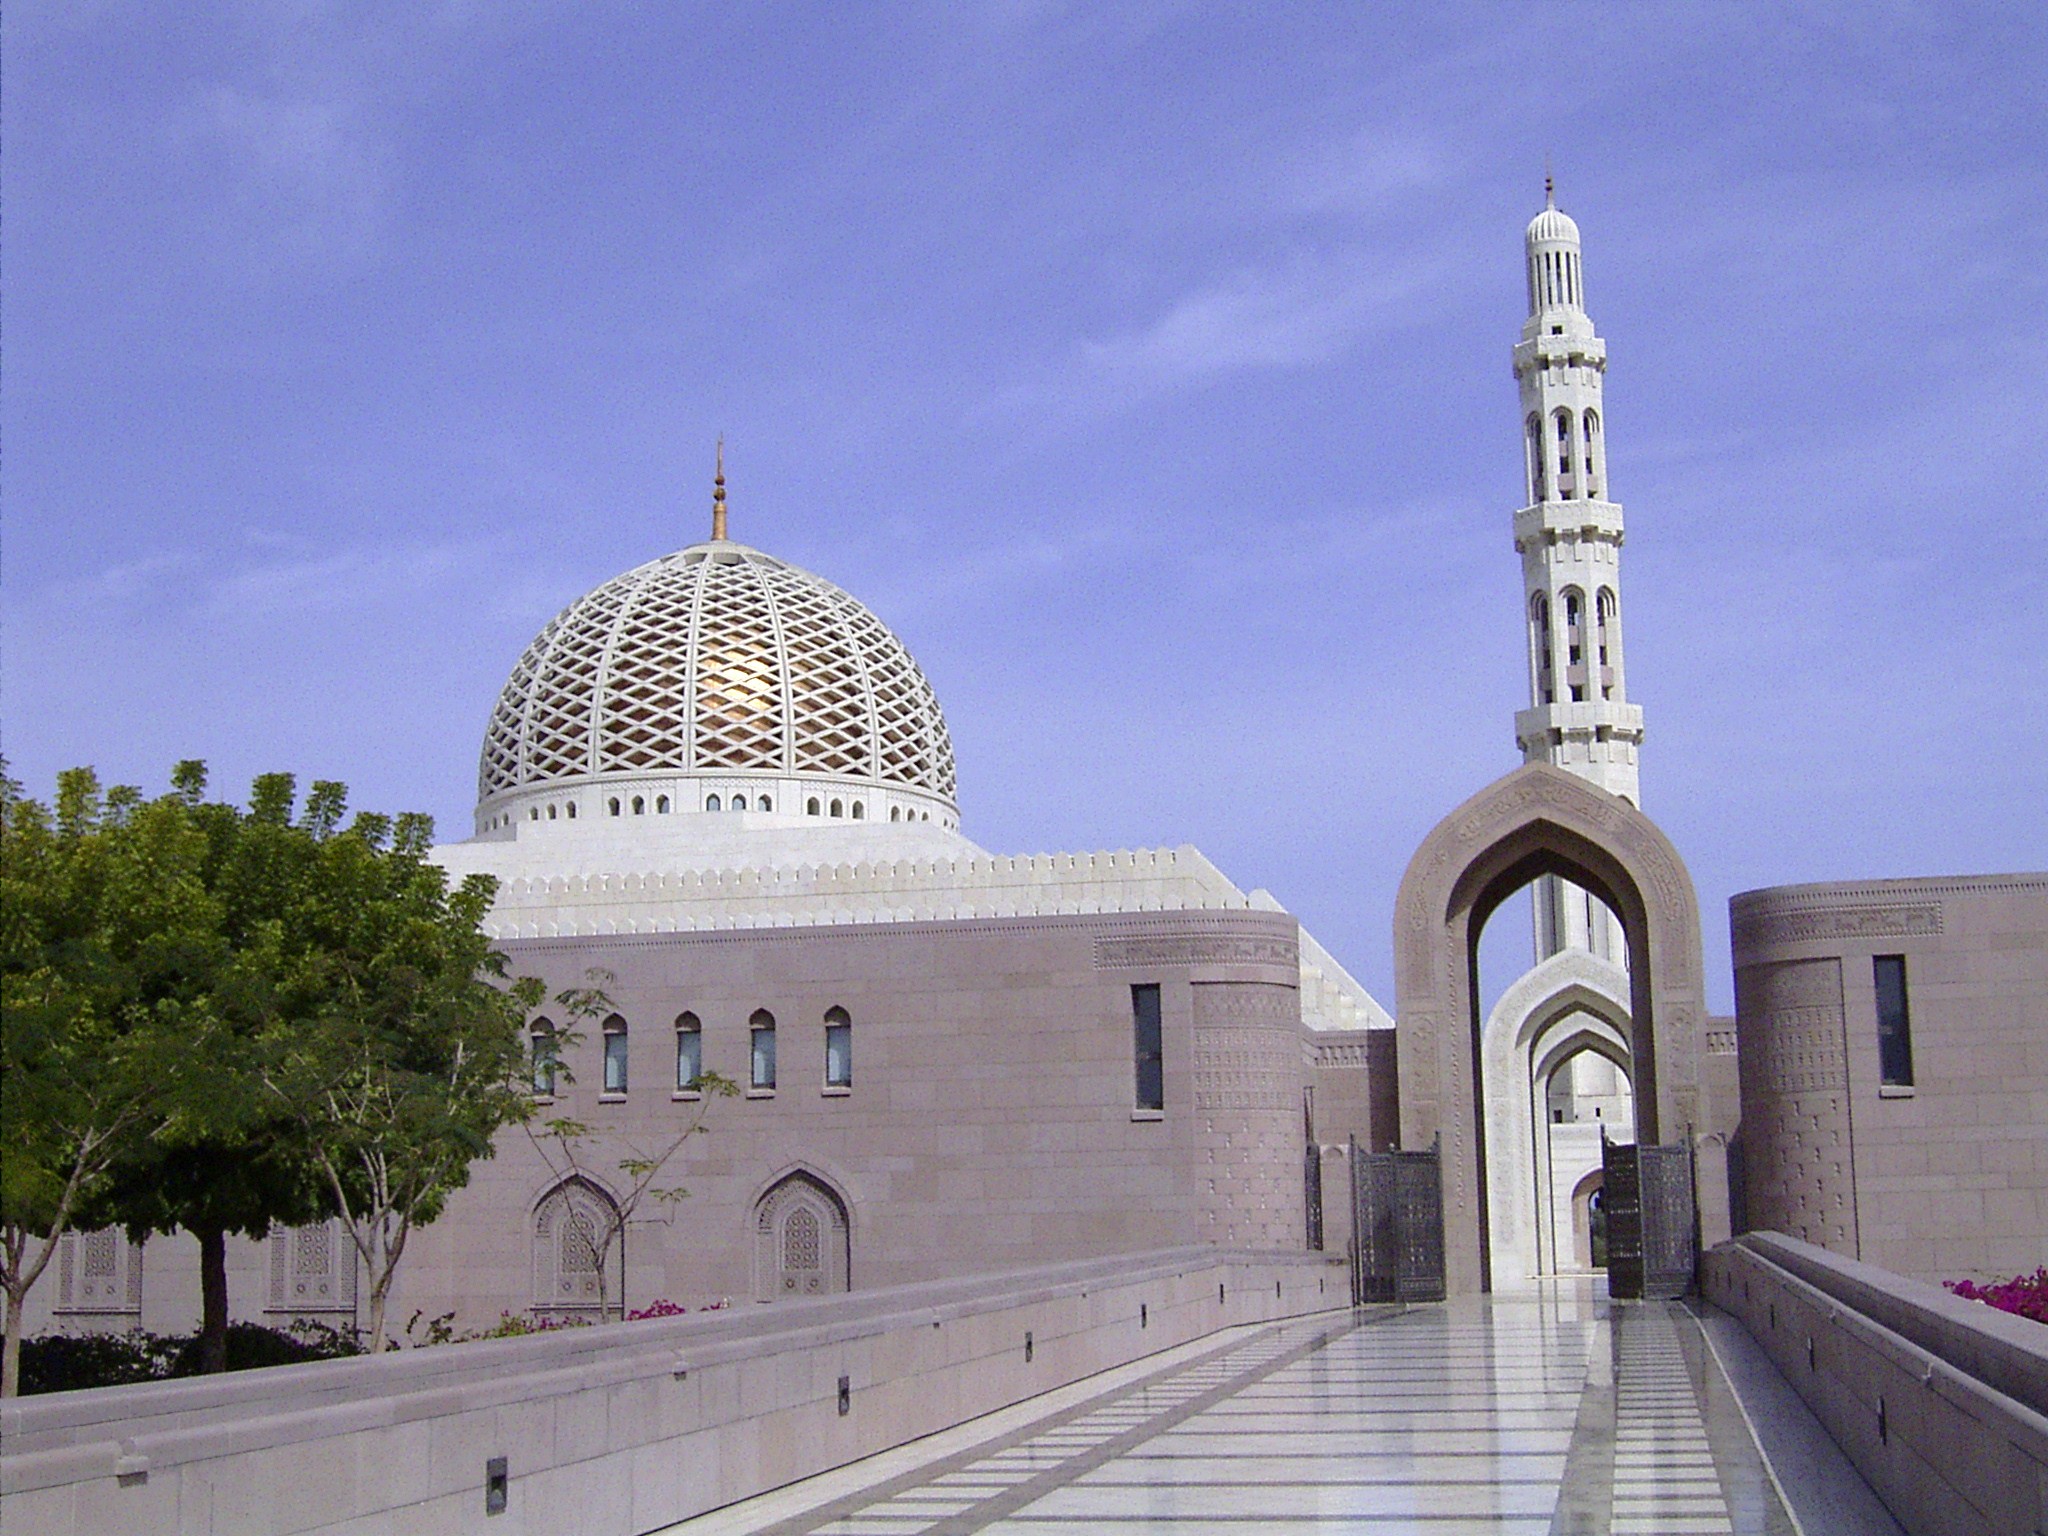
(616,1430)
(1941,1178)
(1941,1404)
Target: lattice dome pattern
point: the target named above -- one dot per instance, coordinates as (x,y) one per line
(717,659)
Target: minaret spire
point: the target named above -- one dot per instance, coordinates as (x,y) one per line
(718,493)
(1569,537)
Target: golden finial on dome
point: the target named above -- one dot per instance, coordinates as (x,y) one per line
(718,493)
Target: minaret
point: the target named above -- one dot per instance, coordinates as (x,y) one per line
(1569,537)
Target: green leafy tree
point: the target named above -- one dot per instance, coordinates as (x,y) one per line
(102,907)
(411,1055)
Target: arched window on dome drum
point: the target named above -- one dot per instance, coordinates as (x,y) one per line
(763,803)
(544,1057)
(615,1054)
(1565,480)
(713,803)
(860,811)
(1542,678)
(811,806)
(838,809)
(739,802)
(1537,479)
(689,1052)
(639,805)
(551,813)
(838,1048)
(895,813)
(572,810)
(612,805)
(661,805)
(761,1054)
(1589,427)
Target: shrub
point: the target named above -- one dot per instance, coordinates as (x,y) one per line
(63,1363)
(2024,1295)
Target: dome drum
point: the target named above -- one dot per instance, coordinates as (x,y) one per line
(714,674)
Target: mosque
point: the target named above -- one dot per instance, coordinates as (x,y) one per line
(719,789)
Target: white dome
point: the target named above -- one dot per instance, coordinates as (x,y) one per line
(1552,227)
(714,672)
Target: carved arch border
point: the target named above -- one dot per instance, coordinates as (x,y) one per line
(1538,820)
(804,1184)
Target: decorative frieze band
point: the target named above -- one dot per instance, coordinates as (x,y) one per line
(1814,924)
(1151,951)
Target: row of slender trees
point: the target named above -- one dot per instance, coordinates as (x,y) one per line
(223,1019)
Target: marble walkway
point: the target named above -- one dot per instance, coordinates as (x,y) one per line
(1558,1411)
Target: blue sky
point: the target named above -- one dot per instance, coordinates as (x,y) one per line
(1145,366)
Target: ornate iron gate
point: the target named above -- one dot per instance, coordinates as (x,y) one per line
(1648,1195)
(1397,1225)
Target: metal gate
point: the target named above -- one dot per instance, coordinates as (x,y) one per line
(1397,1225)
(1312,1195)
(1648,1195)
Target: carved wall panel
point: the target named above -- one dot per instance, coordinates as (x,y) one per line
(1796,1125)
(1248,1078)
(312,1271)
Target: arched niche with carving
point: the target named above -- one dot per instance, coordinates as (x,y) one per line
(1538,820)
(575,1274)
(802,1241)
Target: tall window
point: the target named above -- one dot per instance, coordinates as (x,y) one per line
(1894,1027)
(838,1049)
(689,1052)
(761,1027)
(1151,1087)
(544,1059)
(1575,644)
(615,1054)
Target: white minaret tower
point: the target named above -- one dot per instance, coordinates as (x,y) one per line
(1569,537)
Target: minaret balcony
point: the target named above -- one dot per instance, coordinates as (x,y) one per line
(1548,521)
(1593,719)
(1581,350)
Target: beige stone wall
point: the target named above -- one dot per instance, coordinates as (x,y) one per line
(1946,1178)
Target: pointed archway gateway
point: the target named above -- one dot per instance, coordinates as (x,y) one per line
(1538,820)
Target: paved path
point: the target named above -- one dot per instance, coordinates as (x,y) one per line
(1556,1412)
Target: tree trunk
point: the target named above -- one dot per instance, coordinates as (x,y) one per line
(213,1300)
(10,1366)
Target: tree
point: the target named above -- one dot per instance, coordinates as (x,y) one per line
(98,905)
(571,1148)
(412,1056)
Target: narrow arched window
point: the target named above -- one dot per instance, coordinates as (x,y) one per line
(615,1054)
(1575,644)
(612,805)
(838,1048)
(661,805)
(689,1052)
(739,802)
(639,805)
(1537,479)
(533,813)
(763,803)
(1589,428)
(895,813)
(1539,645)
(713,803)
(811,806)
(838,809)
(1607,616)
(1565,484)
(572,810)
(761,1055)
(545,1058)
(551,813)
(859,811)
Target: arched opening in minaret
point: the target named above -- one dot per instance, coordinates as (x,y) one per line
(1589,429)
(1607,640)
(1537,478)
(1575,644)
(1542,675)
(1567,482)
